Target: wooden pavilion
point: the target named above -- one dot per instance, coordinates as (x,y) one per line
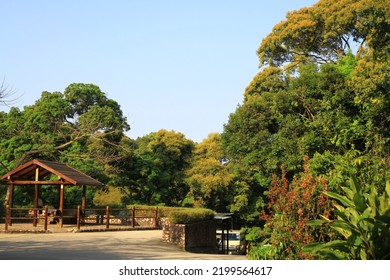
(41,172)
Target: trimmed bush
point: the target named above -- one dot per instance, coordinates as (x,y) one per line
(165,211)
(190,215)
(177,215)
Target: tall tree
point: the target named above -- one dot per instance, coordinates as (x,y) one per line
(210,175)
(332,108)
(84,132)
(327,31)
(155,173)
(55,123)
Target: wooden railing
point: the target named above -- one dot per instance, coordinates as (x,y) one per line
(25,215)
(83,217)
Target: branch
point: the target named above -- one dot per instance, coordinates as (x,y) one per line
(57,148)
(5,167)
(5,93)
(310,55)
(346,43)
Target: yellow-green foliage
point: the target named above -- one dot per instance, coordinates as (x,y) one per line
(176,215)
(190,215)
(208,178)
(163,211)
(111,196)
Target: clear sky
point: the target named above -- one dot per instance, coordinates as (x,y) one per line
(179,65)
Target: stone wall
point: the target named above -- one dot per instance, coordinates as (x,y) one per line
(197,237)
(127,221)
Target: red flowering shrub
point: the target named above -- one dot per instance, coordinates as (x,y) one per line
(291,205)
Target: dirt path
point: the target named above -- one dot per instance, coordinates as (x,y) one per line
(116,245)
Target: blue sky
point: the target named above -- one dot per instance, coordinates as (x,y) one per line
(176,65)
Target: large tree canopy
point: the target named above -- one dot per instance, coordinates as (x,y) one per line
(153,167)
(327,31)
(59,123)
(81,127)
(209,176)
(333,107)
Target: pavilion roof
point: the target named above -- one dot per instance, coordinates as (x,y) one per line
(35,171)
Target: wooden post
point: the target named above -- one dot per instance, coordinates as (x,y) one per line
(133,216)
(46,210)
(107,216)
(83,198)
(7,217)
(156,217)
(58,197)
(83,203)
(78,216)
(61,208)
(10,203)
(36,194)
(35,218)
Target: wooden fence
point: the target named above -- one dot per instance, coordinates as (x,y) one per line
(130,217)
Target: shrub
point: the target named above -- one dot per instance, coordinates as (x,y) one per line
(165,211)
(262,251)
(291,205)
(176,215)
(363,220)
(256,234)
(190,215)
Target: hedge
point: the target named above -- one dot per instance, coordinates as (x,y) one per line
(178,215)
(190,215)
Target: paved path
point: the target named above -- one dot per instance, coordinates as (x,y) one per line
(116,245)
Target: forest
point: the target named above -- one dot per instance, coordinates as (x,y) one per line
(303,162)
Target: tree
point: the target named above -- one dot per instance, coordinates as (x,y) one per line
(326,31)
(82,97)
(209,176)
(54,123)
(155,173)
(332,107)
(260,136)
(85,133)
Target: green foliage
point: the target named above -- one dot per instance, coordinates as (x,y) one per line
(347,64)
(80,127)
(111,196)
(258,240)
(327,31)
(262,251)
(2,208)
(57,121)
(165,211)
(332,107)
(82,97)
(191,215)
(209,177)
(270,80)
(362,219)
(259,137)
(159,163)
